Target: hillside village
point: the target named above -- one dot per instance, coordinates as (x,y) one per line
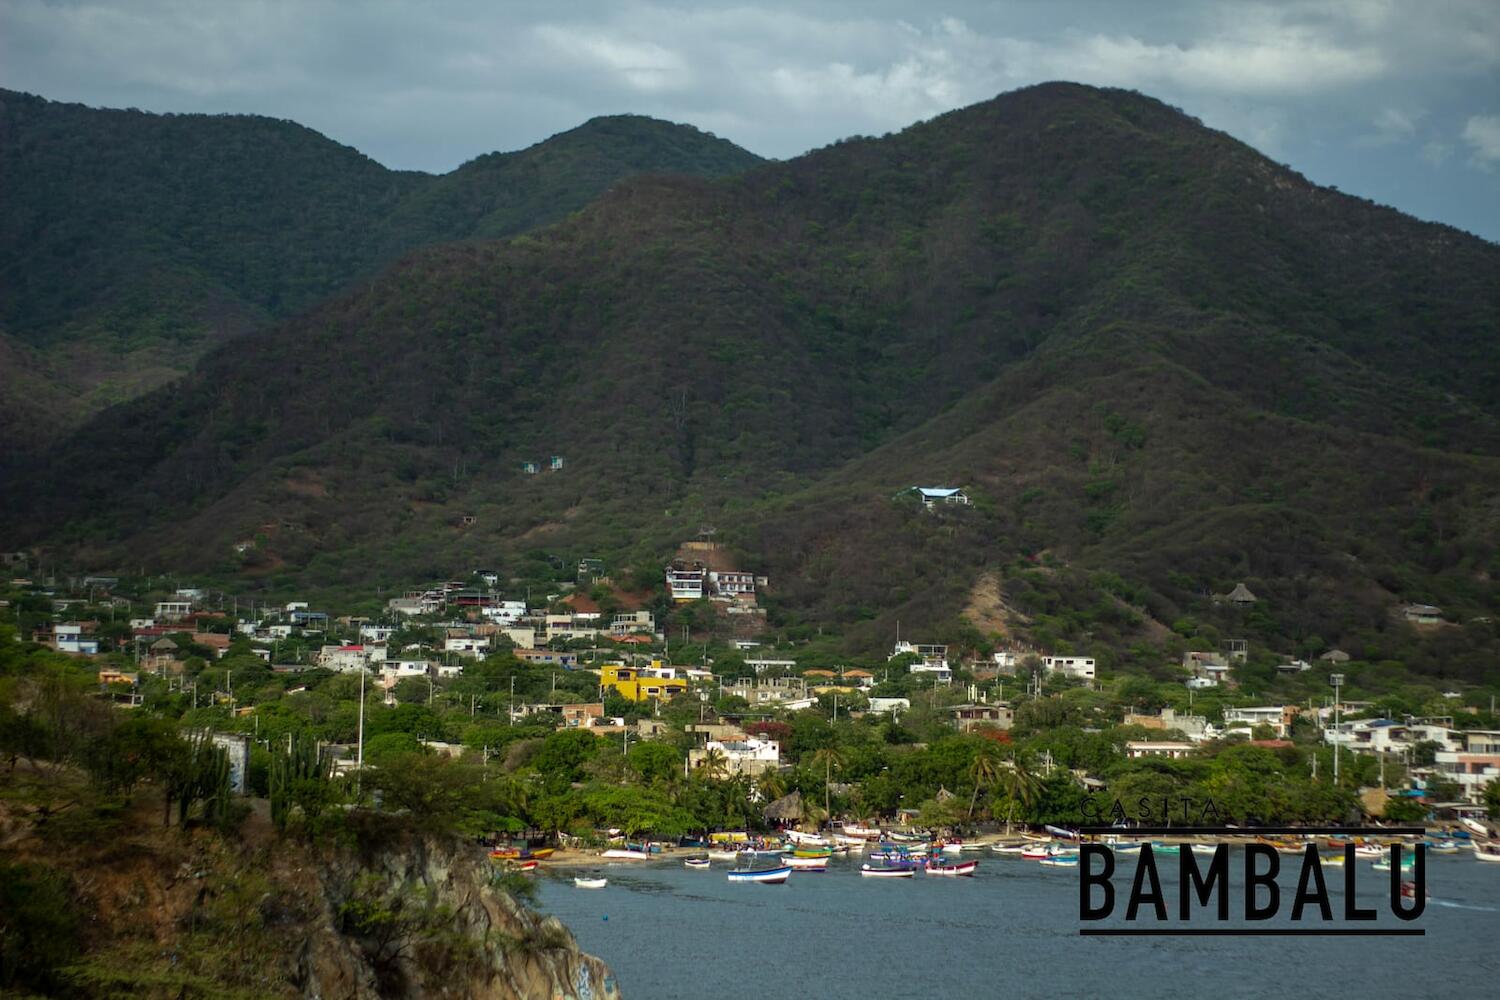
(724,694)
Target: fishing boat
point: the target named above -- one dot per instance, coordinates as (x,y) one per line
(721,855)
(1127,848)
(525,866)
(873,872)
(1167,849)
(1205,848)
(770,876)
(625,854)
(1407,864)
(972,845)
(1061,861)
(962,868)
(809,864)
(1060,833)
(1369,852)
(953,848)
(696,863)
(806,839)
(861,831)
(1036,852)
(590,882)
(1487,851)
(811,852)
(1007,848)
(1442,846)
(512,853)
(846,841)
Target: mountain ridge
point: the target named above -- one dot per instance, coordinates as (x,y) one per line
(1109,322)
(134,242)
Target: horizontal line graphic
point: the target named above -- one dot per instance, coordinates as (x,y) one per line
(1252,831)
(1252,932)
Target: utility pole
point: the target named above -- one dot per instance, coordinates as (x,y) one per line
(1337,681)
(359,757)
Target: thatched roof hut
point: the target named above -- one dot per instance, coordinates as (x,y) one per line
(787,809)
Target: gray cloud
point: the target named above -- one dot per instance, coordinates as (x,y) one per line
(1359,93)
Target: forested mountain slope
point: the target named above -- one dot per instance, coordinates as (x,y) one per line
(1148,350)
(131,242)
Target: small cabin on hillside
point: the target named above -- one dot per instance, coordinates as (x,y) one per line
(934,496)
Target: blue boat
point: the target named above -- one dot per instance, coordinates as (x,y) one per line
(772,876)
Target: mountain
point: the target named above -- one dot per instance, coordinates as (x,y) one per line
(132,242)
(1160,362)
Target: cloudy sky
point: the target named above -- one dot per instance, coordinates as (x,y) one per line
(1395,100)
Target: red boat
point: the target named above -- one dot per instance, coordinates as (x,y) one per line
(962,868)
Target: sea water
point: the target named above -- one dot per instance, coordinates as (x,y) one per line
(671,933)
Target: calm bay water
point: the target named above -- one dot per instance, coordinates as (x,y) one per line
(671,933)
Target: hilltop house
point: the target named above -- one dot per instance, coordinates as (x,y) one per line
(1423,614)
(1079,667)
(749,756)
(978,716)
(934,496)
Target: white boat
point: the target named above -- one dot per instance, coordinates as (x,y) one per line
(806,839)
(962,868)
(811,864)
(1007,848)
(1487,851)
(872,872)
(1062,861)
(584,882)
(847,841)
(1205,848)
(1476,826)
(859,830)
(622,854)
(952,848)
(1369,851)
(1127,848)
(771,876)
(696,863)
(972,845)
(718,855)
(1444,847)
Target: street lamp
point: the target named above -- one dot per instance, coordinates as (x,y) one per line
(1337,680)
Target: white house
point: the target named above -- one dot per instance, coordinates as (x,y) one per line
(686,583)
(350,658)
(889,705)
(933,496)
(1158,748)
(466,645)
(1278,717)
(749,756)
(70,639)
(172,611)
(1080,667)
(376,633)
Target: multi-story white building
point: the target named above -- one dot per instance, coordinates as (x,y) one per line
(1080,667)
(686,582)
(1474,766)
(749,756)
(1278,717)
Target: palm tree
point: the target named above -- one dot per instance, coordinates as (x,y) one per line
(984,771)
(771,785)
(1020,784)
(714,764)
(830,759)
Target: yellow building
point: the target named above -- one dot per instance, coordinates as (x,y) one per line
(640,683)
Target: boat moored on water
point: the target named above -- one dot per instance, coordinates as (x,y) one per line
(962,868)
(625,854)
(698,863)
(1061,861)
(873,872)
(590,882)
(1487,850)
(767,876)
(805,864)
